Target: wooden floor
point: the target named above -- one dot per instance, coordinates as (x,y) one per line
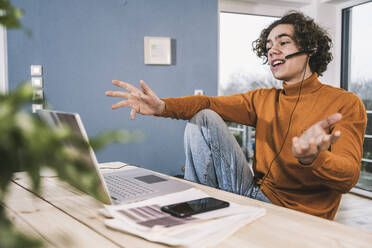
(355,211)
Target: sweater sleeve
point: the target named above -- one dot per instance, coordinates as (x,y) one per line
(238,108)
(339,167)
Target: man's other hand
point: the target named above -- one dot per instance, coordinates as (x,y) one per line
(315,139)
(143,101)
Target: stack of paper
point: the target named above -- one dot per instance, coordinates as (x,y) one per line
(146,220)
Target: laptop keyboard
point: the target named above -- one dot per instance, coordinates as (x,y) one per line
(125,187)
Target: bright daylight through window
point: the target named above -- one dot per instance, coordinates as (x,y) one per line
(358,21)
(240,69)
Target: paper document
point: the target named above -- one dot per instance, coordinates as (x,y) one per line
(146,220)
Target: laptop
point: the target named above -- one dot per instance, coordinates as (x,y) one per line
(119,187)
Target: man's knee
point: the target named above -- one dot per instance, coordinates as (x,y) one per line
(205,115)
(198,121)
(205,120)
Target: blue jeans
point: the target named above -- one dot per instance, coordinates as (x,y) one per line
(214,157)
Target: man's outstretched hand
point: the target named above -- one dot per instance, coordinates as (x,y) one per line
(143,101)
(307,147)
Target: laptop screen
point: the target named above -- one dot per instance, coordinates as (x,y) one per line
(74,123)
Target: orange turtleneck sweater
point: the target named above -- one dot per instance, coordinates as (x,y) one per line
(316,188)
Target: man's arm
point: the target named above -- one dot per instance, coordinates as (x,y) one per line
(238,108)
(336,157)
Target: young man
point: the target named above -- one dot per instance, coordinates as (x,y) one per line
(309,136)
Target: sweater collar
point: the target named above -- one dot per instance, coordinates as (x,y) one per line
(309,85)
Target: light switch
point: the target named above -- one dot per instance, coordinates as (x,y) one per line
(36,107)
(37,82)
(198,92)
(38,95)
(36,70)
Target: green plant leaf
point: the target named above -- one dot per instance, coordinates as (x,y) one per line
(10,15)
(28,143)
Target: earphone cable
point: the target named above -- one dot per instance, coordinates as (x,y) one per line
(289,125)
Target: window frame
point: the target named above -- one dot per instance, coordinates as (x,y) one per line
(3,61)
(346,20)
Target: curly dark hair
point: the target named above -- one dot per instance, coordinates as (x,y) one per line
(307,36)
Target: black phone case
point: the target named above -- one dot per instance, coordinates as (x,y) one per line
(168,209)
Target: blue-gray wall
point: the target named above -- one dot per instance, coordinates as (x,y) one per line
(83,45)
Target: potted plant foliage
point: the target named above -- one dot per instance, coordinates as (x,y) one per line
(30,145)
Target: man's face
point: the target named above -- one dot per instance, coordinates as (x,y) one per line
(279,44)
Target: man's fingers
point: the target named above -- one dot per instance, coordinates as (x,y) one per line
(117,94)
(305,151)
(133,114)
(296,146)
(145,87)
(126,103)
(121,104)
(332,119)
(311,145)
(335,136)
(327,140)
(324,143)
(124,85)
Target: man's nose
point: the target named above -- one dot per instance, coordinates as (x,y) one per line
(274,50)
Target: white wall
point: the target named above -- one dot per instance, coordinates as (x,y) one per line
(3,62)
(327,13)
(276,8)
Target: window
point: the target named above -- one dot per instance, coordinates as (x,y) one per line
(240,69)
(356,74)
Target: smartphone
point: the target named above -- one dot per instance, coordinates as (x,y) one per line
(185,209)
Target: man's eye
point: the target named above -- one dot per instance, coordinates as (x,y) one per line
(268,49)
(283,43)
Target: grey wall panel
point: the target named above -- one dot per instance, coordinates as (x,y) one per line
(83,45)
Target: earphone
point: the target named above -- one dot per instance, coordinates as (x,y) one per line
(310,52)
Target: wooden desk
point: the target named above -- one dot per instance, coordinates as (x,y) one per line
(65,217)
